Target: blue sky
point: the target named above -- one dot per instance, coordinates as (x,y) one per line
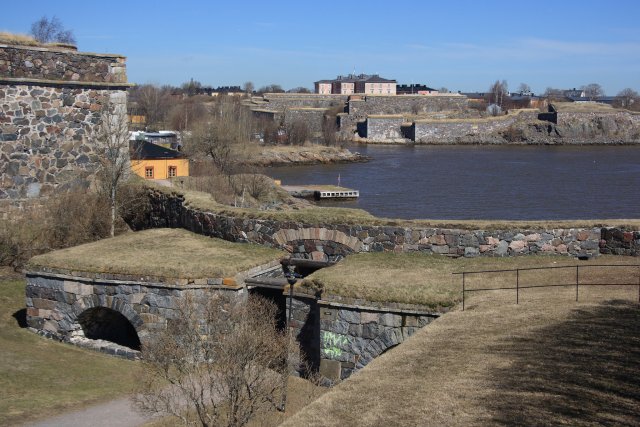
(461,45)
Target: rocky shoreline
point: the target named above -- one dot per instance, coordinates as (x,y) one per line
(282,156)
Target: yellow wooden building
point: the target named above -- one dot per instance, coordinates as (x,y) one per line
(151,161)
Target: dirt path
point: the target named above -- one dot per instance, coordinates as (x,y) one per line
(115,413)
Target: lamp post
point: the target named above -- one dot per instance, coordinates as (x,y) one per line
(292,278)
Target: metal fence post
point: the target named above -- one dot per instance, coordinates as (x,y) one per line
(463,291)
(577,281)
(517,286)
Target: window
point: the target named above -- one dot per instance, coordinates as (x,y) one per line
(148,172)
(173,171)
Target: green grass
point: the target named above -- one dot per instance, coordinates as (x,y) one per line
(164,252)
(41,377)
(423,279)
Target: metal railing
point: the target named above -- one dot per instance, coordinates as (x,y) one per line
(518,286)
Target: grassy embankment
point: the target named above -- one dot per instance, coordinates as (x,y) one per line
(311,214)
(546,361)
(163,252)
(41,377)
(419,279)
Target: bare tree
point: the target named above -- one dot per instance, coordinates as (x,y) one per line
(185,113)
(112,140)
(524,89)
(220,362)
(192,87)
(593,91)
(299,89)
(47,30)
(627,97)
(498,92)
(272,88)
(329,129)
(443,90)
(248,88)
(152,101)
(297,132)
(220,134)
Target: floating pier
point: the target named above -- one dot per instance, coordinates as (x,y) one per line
(321,192)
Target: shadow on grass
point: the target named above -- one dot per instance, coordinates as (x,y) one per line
(583,371)
(21,317)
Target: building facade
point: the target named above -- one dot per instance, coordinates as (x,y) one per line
(356,84)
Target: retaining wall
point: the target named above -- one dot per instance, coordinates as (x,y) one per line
(455,131)
(282,101)
(312,117)
(384,129)
(327,241)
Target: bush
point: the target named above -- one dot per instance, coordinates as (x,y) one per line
(63,220)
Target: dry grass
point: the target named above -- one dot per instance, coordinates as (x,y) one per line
(18,39)
(318,215)
(421,279)
(171,253)
(547,361)
(40,377)
(574,107)
(300,393)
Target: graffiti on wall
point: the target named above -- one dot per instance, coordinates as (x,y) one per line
(332,343)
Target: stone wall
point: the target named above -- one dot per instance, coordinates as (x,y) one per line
(332,241)
(50,106)
(313,117)
(66,65)
(282,101)
(46,137)
(56,298)
(352,336)
(384,129)
(338,339)
(405,104)
(618,241)
(472,131)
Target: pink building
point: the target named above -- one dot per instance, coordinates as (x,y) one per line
(324,87)
(352,84)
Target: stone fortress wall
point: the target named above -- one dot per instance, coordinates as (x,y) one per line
(339,337)
(51,100)
(331,241)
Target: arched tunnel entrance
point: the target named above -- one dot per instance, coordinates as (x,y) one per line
(109,325)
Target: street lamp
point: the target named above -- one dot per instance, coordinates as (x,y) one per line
(292,278)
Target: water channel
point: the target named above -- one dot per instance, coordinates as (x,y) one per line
(485,182)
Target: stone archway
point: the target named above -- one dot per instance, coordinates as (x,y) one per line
(390,338)
(109,318)
(101,323)
(317,243)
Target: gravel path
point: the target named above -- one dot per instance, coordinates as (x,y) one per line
(115,413)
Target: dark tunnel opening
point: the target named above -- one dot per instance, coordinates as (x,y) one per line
(109,325)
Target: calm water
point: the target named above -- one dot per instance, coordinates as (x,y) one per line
(485,182)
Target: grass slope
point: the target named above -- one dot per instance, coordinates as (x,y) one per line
(422,279)
(164,252)
(547,361)
(40,377)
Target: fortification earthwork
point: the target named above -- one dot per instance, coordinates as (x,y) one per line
(50,104)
